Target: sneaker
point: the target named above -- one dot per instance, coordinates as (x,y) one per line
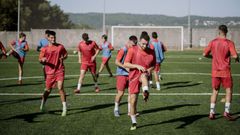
(97,90)
(145,95)
(212,116)
(76,91)
(228,116)
(134,126)
(158,89)
(64,113)
(116,113)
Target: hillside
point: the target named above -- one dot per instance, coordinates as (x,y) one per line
(94,20)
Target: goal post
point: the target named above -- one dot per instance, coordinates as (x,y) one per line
(171,36)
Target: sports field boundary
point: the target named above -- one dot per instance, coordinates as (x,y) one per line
(113,94)
(39,77)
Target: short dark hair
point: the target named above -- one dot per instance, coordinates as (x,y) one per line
(47,31)
(145,36)
(223,28)
(144,33)
(85,36)
(154,35)
(22,35)
(105,36)
(134,39)
(53,33)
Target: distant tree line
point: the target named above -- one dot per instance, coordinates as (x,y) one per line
(34,14)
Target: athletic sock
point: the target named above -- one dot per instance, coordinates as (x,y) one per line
(64,106)
(145,88)
(116,106)
(212,108)
(133,118)
(158,85)
(96,84)
(79,86)
(227,107)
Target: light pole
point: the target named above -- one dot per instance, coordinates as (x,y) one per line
(18,23)
(189,24)
(103,27)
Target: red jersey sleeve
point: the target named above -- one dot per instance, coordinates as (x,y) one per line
(232,49)
(120,55)
(96,46)
(129,56)
(42,54)
(79,47)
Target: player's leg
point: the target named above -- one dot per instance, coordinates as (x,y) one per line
(215,88)
(80,81)
(108,68)
(63,97)
(227,84)
(94,76)
(150,80)
(121,85)
(133,107)
(20,70)
(48,87)
(156,76)
(144,80)
(101,66)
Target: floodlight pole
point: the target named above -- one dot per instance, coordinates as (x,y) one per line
(18,24)
(189,24)
(104,2)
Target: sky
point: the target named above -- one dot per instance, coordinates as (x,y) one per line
(212,8)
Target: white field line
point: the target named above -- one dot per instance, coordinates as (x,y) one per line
(36,77)
(113,94)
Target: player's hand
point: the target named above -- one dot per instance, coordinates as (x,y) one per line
(43,60)
(79,61)
(140,68)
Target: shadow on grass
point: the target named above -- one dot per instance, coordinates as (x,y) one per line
(171,85)
(15,101)
(24,84)
(187,120)
(85,85)
(166,108)
(27,117)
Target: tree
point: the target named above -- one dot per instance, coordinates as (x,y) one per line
(34,14)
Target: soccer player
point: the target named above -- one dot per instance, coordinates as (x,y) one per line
(220,50)
(140,60)
(159,53)
(106,49)
(52,56)
(87,53)
(2,51)
(122,74)
(18,50)
(42,43)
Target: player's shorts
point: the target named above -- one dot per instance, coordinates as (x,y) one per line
(225,81)
(18,57)
(134,81)
(122,82)
(105,60)
(157,67)
(91,67)
(52,79)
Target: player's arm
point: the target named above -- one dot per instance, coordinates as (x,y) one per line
(233,52)
(164,48)
(96,52)
(110,47)
(118,62)
(128,64)
(64,54)
(152,64)
(39,46)
(207,51)
(42,59)
(26,48)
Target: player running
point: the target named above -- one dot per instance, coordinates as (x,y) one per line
(159,49)
(220,50)
(122,74)
(52,56)
(87,53)
(106,49)
(18,50)
(140,60)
